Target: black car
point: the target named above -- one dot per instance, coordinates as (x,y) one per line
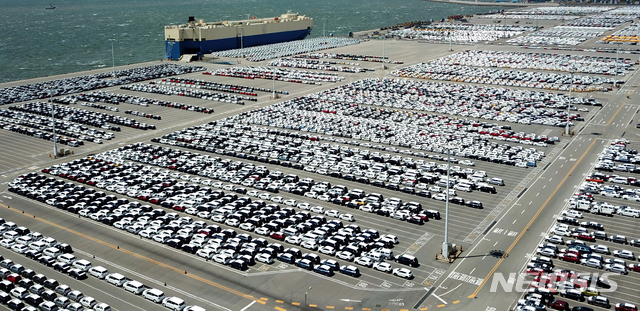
(51,283)
(39,278)
(77,274)
(33,300)
(475,204)
(47,261)
(61,267)
(415,220)
(324,269)
(286,257)
(4,297)
(568,221)
(304,264)
(350,270)
(15,304)
(49,295)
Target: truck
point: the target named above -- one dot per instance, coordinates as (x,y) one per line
(603,210)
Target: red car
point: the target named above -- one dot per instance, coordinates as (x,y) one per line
(634,267)
(626,307)
(585,237)
(595,179)
(535,271)
(570,257)
(14,278)
(278,236)
(559,305)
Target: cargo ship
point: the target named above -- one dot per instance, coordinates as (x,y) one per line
(199,37)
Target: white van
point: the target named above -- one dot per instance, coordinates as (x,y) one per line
(116,279)
(134,287)
(67,258)
(52,252)
(174,303)
(154,295)
(310,237)
(38,246)
(82,264)
(10,235)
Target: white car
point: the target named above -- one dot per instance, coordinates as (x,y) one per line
(207,253)
(290,202)
(467,162)
(383,266)
(364,261)
(304,205)
(312,245)
(295,240)
(264,258)
(572,213)
(327,249)
(554,239)
(232,222)
(546,252)
(221,258)
(403,273)
(19,248)
(277,199)
(562,232)
(318,209)
(247,226)
(347,217)
(98,272)
(332,213)
(616,268)
(602,249)
(218,218)
(345,255)
(262,231)
(624,254)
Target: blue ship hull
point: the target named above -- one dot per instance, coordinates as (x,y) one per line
(174,49)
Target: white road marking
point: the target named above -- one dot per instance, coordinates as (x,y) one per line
(514,221)
(434,295)
(249,305)
(496,243)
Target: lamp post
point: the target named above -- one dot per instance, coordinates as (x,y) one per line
(53,124)
(384,39)
(566,128)
(242,40)
(615,80)
(113,58)
(445,244)
(324,24)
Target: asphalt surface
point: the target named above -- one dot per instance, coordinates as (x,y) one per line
(496,241)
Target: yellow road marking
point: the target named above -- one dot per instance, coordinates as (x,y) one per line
(531,221)
(614,116)
(457,301)
(331,307)
(404,309)
(348,308)
(440,306)
(295,303)
(424,309)
(366,309)
(280,309)
(313,306)
(181,271)
(279,301)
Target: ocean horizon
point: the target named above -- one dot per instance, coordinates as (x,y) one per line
(75,35)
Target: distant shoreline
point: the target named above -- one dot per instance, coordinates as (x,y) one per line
(486,3)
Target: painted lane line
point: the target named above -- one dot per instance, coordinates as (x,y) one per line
(249,305)
(475,293)
(434,295)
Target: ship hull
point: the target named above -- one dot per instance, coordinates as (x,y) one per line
(174,49)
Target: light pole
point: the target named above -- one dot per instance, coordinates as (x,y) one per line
(53,124)
(384,39)
(615,80)
(113,58)
(566,127)
(445,244)
(324,25)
